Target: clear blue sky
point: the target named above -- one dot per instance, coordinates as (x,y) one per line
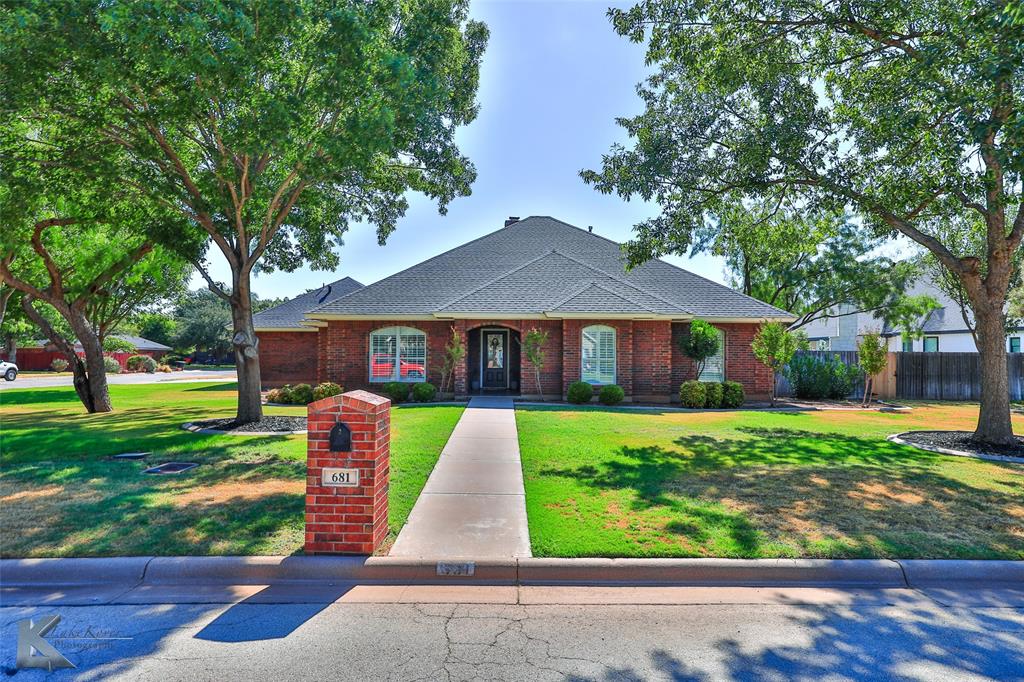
(554,77)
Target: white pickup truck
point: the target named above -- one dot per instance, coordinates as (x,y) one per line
(8,370)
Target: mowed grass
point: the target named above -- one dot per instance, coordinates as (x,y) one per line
(605,482)
(62,495)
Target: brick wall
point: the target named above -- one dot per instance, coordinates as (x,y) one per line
(740,363)
(650,365)
(287,358)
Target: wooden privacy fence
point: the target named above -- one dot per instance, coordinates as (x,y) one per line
(925,376)
(950,376)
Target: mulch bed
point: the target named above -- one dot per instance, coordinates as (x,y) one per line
(268,423)
(964,441)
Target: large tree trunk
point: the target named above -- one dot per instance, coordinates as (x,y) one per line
(994,418)
(90,377)
(96,371)
(247,359)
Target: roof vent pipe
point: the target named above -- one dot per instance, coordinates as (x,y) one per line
(590,228)
(511,219)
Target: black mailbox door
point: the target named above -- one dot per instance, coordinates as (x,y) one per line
(341,438)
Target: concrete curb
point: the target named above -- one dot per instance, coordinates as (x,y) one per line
(265,570)
(898,439)
(711,572)
(113,570)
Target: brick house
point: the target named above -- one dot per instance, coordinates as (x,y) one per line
(604,325)
(288,347)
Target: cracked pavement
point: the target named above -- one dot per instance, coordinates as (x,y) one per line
(710,635)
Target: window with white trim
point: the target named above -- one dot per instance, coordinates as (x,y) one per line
(398,354)
(597,356)
(714,368)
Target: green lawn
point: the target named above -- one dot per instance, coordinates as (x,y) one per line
(61,495)
(603,482)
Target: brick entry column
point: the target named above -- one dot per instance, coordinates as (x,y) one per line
(347,461)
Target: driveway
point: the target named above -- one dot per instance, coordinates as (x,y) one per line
(49,380)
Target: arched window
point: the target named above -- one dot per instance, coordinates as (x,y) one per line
(714,368)
(398,354)
(597,356)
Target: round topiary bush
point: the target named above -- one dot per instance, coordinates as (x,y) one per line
(713,396)
(396,390)
(580,392)
(111,365)
(611,394)
(326,390)
(692,394)
(141,363)
(59,365)
(423,393)
(732,394)
(302,394)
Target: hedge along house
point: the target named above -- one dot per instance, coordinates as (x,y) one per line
(604,325)
(288,346)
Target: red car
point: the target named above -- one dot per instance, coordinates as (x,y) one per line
(383,365)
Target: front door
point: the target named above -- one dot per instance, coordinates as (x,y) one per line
(494,357)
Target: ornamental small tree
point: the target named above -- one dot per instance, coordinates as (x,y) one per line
(700,344)
(533,348)
(774,346)
(454,353)
(872,356)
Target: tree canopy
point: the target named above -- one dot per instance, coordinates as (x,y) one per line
(906,116)
(271,126)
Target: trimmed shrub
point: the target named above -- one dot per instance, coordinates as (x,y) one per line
(611,394)
(423,393)
(732,394)
(282,395)
(813,378)
(59,365)
(326,390)
(111,365)
(396,390)
(713,396)
(693,394)
(141,363)
(302,394)
(580,392)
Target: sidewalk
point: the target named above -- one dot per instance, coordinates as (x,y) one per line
(473,505)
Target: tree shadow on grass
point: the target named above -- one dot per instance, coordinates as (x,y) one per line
(36,396)
(803,493)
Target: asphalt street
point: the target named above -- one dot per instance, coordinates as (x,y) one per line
(711,634)
(50,380)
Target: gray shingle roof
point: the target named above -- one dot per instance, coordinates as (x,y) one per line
(289,315)
(540,265)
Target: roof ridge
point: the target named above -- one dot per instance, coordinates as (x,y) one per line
(496,279)
(664,262)
(628,284)
(593,285)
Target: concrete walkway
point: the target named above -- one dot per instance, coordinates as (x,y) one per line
(473,505)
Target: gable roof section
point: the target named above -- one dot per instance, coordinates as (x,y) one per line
(540,266)
(290,314)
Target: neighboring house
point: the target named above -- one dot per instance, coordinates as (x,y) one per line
(288,350)
(942,330)
(604,325)
(43,353)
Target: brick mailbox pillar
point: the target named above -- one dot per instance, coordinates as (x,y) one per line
(347,460)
